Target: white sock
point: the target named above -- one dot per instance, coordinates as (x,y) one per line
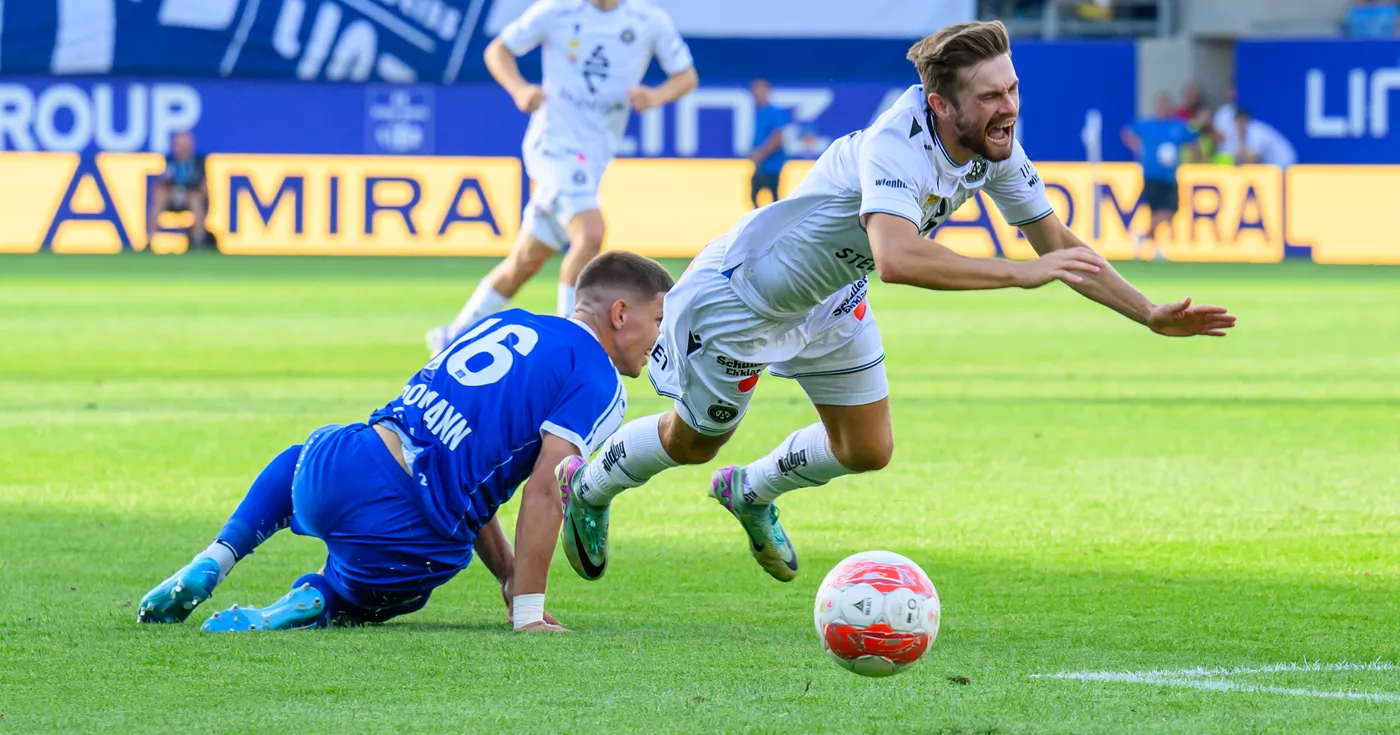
(483,303)
(566,300)
(804,459)
(631,457)
(221,554)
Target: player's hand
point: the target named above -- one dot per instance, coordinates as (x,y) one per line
(543,626)
(529,98)
(644,98)
(508,594)
(1066,265)
(1184,319)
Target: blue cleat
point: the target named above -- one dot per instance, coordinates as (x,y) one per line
(303,607)
(174,599)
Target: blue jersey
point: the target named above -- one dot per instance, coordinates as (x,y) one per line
(1161,147)
(767,119)
(476,413)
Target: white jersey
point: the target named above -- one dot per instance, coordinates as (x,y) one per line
(591,58)
(790,256)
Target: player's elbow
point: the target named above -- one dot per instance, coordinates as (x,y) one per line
(892,269)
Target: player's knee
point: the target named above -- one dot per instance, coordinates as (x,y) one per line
(869,454)
(686,445)
(586,232)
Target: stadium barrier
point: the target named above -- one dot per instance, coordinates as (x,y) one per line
(386,205)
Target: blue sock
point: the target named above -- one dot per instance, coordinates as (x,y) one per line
(266,509)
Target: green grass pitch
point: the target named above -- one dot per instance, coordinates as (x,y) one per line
(1086,496)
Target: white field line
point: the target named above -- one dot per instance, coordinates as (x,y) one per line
(1212,679)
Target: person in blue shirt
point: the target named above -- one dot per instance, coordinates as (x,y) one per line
(768,154)
(403,500)
(1157,144)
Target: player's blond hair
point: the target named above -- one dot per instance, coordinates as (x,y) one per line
(940,57)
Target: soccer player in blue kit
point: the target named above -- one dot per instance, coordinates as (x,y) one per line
(404,500)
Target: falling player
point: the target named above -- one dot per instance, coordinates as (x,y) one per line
(595,54)
(403,501)
(785,291)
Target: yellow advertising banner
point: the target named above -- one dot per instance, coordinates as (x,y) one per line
(384,205)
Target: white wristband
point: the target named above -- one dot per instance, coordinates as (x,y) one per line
(528,609)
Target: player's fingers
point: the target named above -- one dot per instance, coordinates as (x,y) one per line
(1215,333)
(1082,265)
(1068,276)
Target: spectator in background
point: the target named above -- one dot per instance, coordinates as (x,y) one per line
(182,188)
(1260,142)
(1224,122)
(768,155)
(1373,19)
(1157,144)
(1191,102)
(1207,148)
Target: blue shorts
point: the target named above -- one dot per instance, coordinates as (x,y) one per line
(384,556)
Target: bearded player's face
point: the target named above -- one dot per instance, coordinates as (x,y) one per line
(989,100)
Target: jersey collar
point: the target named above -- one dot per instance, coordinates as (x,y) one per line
(586,328)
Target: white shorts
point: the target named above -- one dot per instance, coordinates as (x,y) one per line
(565,183)
(713,348)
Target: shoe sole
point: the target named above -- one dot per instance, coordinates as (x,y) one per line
(575,550)
(300,609)
(766,555)
(173,606)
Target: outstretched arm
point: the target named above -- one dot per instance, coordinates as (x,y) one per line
(1107,287)
(902,256)
(537,529)
(676,86)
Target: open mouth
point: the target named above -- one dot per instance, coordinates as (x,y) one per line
(1001,134)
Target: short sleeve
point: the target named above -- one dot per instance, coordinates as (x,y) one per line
(523,34)
(889,182)
(667,46)
(1016,188)
(588,410)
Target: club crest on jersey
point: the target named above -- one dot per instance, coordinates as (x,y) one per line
(580,177)
(629,35)
(977,172)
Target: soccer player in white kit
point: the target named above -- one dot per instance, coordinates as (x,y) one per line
(785,290)
(594,57)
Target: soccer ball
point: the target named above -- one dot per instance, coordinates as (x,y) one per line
(877,613)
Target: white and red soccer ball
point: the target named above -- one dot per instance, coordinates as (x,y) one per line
(877,613)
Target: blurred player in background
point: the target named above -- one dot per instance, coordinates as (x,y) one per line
(786,290)
(595,55)
(403,501)
(768,156)
(1157,144)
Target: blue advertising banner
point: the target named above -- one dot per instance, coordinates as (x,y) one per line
(1330,98)
(114,114)
(354,40)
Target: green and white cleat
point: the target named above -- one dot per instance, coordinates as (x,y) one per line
(768,542)
(585,537)
(174,599)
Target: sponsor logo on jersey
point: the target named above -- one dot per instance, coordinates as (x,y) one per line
(892,183)
(860,261)
(855,299)
(792,461)
(658,355)
(722,413)
(616,453)
(738,368)
(914,131)
(694,344)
